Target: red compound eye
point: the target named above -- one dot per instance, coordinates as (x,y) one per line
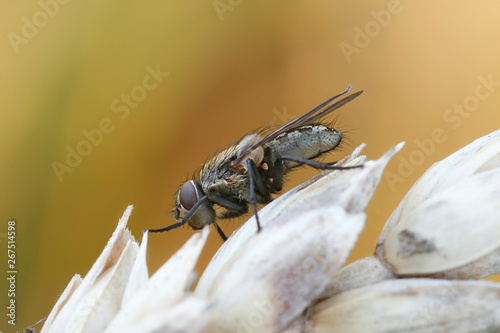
(188,196)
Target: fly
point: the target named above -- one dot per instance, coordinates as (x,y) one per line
(248,172)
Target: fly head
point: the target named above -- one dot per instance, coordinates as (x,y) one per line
(199,214)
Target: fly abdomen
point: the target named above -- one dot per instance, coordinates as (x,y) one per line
(307,142)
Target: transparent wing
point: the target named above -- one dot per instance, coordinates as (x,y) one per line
(307,118)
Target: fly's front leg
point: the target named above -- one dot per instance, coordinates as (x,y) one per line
(319,165)
(221,233)
(184,219)
(229,204)
(233,209)
(229,214)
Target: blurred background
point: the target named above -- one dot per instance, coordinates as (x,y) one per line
(109,104)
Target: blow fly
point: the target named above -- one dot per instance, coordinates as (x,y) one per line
(251,170)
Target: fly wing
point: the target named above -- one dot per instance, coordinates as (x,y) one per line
(315,118)
(307,118)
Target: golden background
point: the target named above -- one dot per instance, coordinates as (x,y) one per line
(233,66)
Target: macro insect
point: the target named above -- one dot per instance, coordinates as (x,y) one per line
(250,171)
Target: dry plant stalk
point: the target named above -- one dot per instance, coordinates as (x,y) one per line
(289,277)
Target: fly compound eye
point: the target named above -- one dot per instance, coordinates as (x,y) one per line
(188,195)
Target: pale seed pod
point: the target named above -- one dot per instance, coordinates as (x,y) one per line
(412,305)
(358,274)
(165,294)
(448,224)
(93,303)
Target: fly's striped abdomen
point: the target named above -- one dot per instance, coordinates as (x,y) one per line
(308,142)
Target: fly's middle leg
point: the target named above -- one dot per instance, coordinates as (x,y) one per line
(256,184)
(221,233)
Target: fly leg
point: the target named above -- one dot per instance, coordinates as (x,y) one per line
(256,184)
(221,233)
(233,209)
(184,218)
(318,165)
(230,205)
